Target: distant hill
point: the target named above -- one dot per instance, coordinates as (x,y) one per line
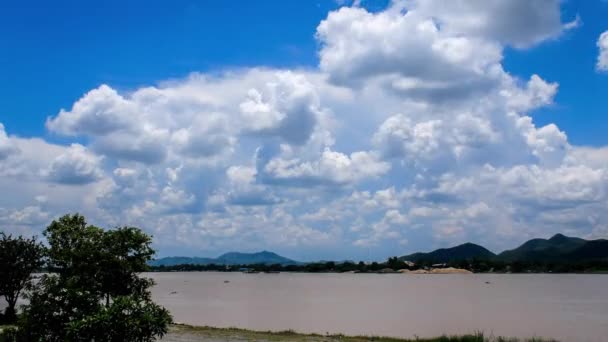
(263,257)
(559,248)
(465,251)
(232,258)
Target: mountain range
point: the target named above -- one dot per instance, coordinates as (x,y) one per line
(559,248)
(232,258)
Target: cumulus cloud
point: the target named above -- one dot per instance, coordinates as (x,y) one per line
(331,168)
(519,23)
(408,52)
(602,58)
(243,189)
(6,146)
(28,216)
(76,166)
(536,93)
(287,107)
(431,50)
(205,137)
(99,112)
(410,132)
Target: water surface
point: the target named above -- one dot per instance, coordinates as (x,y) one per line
(566,307)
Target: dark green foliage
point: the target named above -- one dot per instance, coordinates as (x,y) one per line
(9,335)
(94,292)
(125,319)
(19,258)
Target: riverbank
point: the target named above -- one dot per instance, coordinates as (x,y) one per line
(187,333)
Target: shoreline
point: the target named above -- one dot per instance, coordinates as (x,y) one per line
(179,332)
(189,333)
(383,273)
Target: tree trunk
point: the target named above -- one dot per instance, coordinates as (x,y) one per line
(10,315)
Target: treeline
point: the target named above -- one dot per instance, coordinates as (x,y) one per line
(94,291)
(314,267)
(530,266)
(475,265)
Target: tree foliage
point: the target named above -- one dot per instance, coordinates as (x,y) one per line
(94,292)
(19,258)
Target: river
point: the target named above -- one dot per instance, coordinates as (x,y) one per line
(567,307)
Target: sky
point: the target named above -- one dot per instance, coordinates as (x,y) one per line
(316,129)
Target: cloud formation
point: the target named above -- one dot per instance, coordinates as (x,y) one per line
(602,58)
(409,133)
(75,166)
(6,146)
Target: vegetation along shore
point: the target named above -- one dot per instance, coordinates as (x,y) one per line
(186,333)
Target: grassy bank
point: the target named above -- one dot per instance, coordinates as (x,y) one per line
(190,333)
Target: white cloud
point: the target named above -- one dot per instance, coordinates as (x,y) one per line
(6,146)
(99,112)
(243,190)
(331,168)
(520,23)
(602,58)
(287,107)
(31,215)
(206,137)
(408,53)
(537,93)
(76,166)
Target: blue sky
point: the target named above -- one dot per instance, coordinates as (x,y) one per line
(307,127)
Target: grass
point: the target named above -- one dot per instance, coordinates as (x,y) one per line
(182,332)
(235,334)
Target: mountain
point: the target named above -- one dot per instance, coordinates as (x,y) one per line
(465,251)
(557,248)
(263,257)
(232,258)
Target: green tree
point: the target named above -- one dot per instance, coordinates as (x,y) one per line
(395,263)
(19,258)
(95,292)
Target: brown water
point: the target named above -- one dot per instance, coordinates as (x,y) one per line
(564,307)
